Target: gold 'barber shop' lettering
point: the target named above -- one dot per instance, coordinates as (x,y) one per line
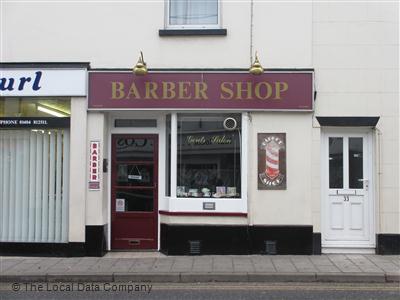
(168,88)
(247,90)
(280,87)
(117,90)
(182,90)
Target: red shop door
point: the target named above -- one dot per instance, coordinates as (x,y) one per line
(134,205)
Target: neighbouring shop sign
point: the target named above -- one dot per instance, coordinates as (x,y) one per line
(33,122)
(42,82)
(269,91)
(94,167)
(271,161)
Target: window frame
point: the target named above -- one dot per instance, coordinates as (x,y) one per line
(167,25)
(195,205)
(183,118)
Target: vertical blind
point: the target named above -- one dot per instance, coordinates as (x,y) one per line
(193,12)
(34,185)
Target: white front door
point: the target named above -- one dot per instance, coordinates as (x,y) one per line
(347,204)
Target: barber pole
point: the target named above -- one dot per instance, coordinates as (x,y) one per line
(272,159)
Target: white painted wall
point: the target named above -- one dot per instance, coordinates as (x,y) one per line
(356,61)
(78,177)
(293,205)
(111,34)
(96,202)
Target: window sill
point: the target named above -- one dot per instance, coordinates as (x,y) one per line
(192,32)
(195,206)
(194,214)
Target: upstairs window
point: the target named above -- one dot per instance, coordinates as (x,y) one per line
(193,14)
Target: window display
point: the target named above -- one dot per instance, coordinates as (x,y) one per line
(208,156)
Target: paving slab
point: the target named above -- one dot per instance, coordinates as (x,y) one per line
(283,265)
(142,265)
(263,264)
(182,264)
(202,264)
(162,265)
(222,264)
(243,265)
(122,265)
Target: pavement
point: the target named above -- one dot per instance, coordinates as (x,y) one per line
(156,267)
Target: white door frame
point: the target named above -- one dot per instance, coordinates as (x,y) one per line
(160,131)
(347,246)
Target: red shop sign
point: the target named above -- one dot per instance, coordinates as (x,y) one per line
(242,91)
(94,167)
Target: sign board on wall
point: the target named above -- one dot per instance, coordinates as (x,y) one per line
(271,161)
(94,167)
(34,122)
(242,91)
(42,82)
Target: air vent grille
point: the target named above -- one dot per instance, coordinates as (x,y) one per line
(270,247)
(194,247)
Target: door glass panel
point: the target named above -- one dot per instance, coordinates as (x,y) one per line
(130,149)
(335,162)
(355,163)
(131,174)
(133,200)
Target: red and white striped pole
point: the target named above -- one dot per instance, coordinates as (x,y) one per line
(272,159)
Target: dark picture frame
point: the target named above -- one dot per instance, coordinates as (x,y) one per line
(271,148)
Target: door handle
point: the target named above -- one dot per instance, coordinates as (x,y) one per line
(346,198)
(366,182)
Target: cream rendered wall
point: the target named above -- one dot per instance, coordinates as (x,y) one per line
(110,34)
(283,33)
(293,205)
(78,177)
(356,60)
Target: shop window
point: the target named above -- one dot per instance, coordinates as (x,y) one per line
(34,185)
(34,171)
(208,156)
(34,107)
(193,14)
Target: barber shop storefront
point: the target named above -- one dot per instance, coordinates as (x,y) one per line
(201,162)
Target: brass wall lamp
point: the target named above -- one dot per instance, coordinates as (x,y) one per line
(140,68)
(256,68)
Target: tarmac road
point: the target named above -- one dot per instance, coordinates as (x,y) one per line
(193,291)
